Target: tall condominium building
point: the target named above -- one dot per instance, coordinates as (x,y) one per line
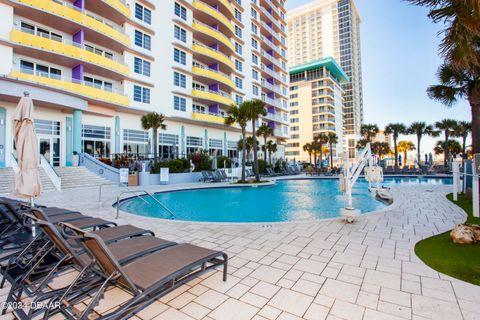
(94,67)
(316,106)
(331,28)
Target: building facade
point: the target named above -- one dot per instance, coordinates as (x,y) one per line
(316,106)
(331,28)
(94,67)
(383,137)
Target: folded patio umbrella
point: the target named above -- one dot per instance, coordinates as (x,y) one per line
(27,180)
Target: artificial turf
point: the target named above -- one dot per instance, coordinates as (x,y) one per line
(461,261)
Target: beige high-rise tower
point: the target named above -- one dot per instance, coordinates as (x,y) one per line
(331,28)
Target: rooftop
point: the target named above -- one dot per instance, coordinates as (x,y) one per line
(329,62)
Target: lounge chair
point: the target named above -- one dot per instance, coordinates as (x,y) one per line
(212,177)
(146,278)
(205,177)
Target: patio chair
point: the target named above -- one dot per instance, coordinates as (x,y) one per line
(146,278)
(31,279)
(205,177)
(213,177)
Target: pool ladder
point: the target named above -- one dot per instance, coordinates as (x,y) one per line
(146,193)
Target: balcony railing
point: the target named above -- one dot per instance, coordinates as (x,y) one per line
(200,5)
(66,47)
(208,117)
(214,33)
(82,17)
(85,88)
(218,96)
(208,51)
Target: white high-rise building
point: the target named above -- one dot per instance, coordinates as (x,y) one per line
(94,67)
(331,28)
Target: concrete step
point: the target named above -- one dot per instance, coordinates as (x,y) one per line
(79,177)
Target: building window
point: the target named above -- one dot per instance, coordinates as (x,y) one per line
(255,74)
(179,103)
(179,56)
(254,28)
(180,34)
(180,11)
(238,31)
(238,15)
(254,14)
(254,43)
(179,80)
(238,99)
(254,59)
(142,67)
(238,82)
(143,13)
(142,40)
(135,142)
(238,65)
(97,83)
(238,48)
(141,94)
(255,90)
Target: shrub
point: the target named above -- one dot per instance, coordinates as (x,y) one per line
(221,161)
(174,166)
(201,160)
(262,166)
(155,167)
(280,165)
(106,161)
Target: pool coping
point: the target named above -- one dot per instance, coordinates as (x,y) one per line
(112,208)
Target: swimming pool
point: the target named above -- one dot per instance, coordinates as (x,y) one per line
(287,200)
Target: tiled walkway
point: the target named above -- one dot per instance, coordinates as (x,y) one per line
(316,270)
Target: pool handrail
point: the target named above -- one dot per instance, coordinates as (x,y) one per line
(134,192)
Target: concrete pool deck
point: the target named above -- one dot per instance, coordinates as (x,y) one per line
(315,270)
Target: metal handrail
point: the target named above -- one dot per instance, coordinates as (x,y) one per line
(134,192)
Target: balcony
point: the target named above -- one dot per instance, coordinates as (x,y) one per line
(120,6)
(69,49)
(87,19)
(279,133)
(207,117)
(213,13)
(270,58)
(215,34)
(201,70)
(212,53)
(215,96)
(74,86)
(227,5)
(270,72)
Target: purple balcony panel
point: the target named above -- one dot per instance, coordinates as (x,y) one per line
(79,4)
(214,66)
(78,37)
(271,109)
(270,38)
(270,52)
(271,81)
(270,24)
(215,6)
(271,124)
(77,72)
(215,26)
(214,46)
(270,10)
(214,87)
(271,95)
(214,108)
(271,67)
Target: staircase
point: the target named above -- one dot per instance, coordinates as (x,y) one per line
(79,177)
(7,180)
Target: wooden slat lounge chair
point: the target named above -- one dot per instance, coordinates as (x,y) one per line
(146,278)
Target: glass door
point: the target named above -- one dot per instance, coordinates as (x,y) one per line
(50,148)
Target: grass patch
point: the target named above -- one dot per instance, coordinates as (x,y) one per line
(461,261)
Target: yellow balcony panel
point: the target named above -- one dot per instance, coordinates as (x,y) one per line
(79,17)
(214,13)
(68,50)
(213,75)
(214,54)
(120,6)
(228,6)
(212,97)
(207,117)
(214,34)
(76,88)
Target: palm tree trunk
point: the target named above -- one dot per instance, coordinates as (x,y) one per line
(255,155)
(270,157)
(155,144)
(265,153)
(395,149)
(474,100)
(331,156)
(244,147)
(464,147)
(419,156)
(445,149)
(315,158)
(321,157)
(310,157)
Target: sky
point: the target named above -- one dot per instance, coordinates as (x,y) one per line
(399,61)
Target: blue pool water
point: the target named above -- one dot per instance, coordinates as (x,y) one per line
(288,200)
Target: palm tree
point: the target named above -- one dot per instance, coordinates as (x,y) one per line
(395,129)
(380,148)
(369,131)
(239,115)
(332,139)
(405,146)
(321,140)
(307,147)
(361,143)
(453,147)
(153,120)
(459,75)
(462,130)
(447,126)
(265,131)
(420,129)
(271,148)
(255,109)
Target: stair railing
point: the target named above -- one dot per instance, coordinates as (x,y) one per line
(51,174)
